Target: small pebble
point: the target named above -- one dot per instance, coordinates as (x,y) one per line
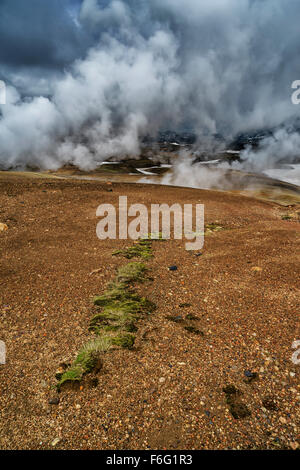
(54,401)
(173,268)
(55,441)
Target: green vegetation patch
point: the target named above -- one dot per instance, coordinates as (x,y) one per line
(125,341)
(120,306)
(213,227)
(141,249)
(131,272)
(87,360)
(120,313)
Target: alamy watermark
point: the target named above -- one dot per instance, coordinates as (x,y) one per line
(188,222)
(296,355)
(296,95)
(2,92)
(2,353)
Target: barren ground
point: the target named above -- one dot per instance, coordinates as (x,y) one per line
(167,393)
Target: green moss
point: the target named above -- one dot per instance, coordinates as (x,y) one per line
(118,313)
(130,327)
(74,374)
(116,291)
(286,217)
(124,341)
(86,361)
(129,304)
(214,227)
(109,328)
(120,308)
(104,318)
(131,272)
(111,298)
(141,249)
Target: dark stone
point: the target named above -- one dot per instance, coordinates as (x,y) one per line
(94,382)
(54,400)
(59,375)
(248,373)
(230,390)
(173,268)
(250,376)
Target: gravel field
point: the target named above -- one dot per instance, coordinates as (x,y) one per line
(241,296)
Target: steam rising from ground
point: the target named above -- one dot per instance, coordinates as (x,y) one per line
(218,66)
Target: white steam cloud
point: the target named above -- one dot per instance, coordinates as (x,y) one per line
(218,66)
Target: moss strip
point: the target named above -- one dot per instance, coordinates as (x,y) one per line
(87,360)
(120,307)
(142,247)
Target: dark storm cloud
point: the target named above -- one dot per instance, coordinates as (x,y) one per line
(38,33)
(38,39)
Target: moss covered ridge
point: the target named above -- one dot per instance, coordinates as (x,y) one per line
(87,360)
(142,248)
(120,307)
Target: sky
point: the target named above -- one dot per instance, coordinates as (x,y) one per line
(86,79)
(38,40)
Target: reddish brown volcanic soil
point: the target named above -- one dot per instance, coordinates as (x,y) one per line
(167,393)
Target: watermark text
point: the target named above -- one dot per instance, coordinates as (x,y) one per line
(2,92)
(188,222)
(2,353)
(296,355)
